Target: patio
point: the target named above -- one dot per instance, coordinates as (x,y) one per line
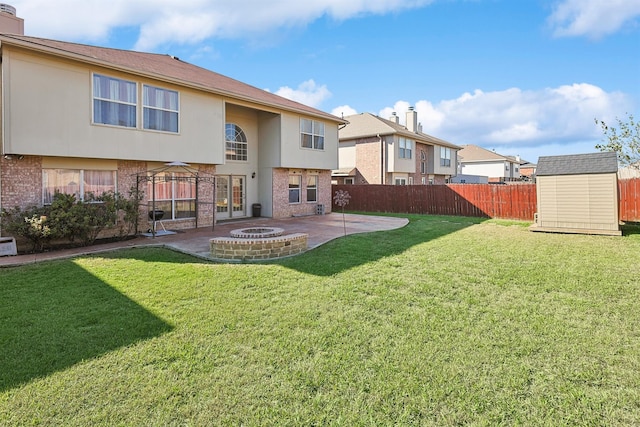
(319,228)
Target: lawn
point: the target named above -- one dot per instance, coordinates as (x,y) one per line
(446,321)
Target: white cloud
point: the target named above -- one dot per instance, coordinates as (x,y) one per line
(343,110)
(516,118)
(187,21)
(592,18)
(308,93)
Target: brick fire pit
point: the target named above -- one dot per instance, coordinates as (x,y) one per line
(258,243)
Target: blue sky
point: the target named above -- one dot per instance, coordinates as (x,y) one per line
(523,77)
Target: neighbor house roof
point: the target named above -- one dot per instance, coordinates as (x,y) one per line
(367,125)
(472,153)
(162,67)
(578,164)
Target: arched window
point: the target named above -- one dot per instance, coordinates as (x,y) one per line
(236,142)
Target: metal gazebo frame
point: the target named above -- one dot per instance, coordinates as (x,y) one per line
(198,178)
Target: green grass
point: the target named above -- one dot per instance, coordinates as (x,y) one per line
(447,321)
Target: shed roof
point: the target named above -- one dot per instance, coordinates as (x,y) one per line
(578,164)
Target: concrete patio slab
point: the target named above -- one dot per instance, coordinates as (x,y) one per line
(319,228)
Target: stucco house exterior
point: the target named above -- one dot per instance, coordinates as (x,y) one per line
(78,118)
(475,160)
(374,150)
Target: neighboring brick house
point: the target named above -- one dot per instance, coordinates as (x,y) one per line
(77,118)
(528,170)
(479,161)
(374,150)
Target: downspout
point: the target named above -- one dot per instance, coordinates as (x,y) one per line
(1,125)
(382,158)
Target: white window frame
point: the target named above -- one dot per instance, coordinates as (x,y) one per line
(80,193)
(405,148)
(312,188)
(311,134)
(349,181)
(161,109)
(445,156)
(400,181)
(173,179)
(295,189)
(107,98)
(237,148)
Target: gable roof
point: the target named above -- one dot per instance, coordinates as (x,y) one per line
(578,164)
(472,153)
(367,125)
(165,68)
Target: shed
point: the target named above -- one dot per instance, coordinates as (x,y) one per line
(578,194)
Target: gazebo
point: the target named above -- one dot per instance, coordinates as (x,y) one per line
(176,188)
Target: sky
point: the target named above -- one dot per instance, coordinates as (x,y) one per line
(521,77)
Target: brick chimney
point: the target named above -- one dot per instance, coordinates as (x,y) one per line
(412,120)
(9,22)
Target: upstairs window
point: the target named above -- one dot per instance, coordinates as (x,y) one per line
(161,108)
(114,101)
(236,143)
(311,134)
(445,156)
(405,148)
(423,163)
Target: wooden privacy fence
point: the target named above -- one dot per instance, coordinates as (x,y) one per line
(478,200)
(629,192)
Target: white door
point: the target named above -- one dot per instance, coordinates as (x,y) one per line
(231,196)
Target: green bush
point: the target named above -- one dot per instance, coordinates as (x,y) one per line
(30,223)
(75,221)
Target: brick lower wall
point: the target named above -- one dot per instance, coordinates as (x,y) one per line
(21,182)
(21,186)
(281,206)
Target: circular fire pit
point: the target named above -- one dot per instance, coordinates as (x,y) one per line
(257,243)
(257,232)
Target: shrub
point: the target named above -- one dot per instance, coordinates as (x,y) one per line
(75,221)
(30,223)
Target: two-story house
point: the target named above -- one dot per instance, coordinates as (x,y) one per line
(203,147)
(374,150)
(475,160)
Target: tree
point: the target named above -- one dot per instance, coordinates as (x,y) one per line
(342,199)
(624,140)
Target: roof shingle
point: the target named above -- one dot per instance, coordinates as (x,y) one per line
(366,125)
(165,68)
(578,164)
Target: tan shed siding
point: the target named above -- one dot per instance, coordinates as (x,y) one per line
(578,202)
